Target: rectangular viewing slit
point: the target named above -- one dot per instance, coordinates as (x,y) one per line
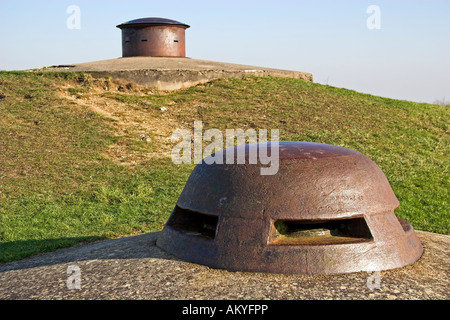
(175,40)
(193,223)
(144,40)
(319,232)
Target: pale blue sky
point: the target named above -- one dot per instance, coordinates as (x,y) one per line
(408,58)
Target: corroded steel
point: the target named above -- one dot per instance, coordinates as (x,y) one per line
(329,209)
(155,37)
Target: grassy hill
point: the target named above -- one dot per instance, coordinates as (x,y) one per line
(84,159)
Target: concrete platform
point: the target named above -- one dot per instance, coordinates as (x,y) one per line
(134,268)
(172,73)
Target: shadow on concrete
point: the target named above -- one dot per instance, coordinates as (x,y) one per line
(133,247)
(21,249)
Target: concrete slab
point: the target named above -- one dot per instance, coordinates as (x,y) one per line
(172,73)
(134,268)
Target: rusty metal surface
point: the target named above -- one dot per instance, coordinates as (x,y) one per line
(154,37)
(341,195)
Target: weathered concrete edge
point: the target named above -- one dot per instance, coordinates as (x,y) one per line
(184,78)
(96,250)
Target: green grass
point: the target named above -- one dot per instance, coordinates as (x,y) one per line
(59,187)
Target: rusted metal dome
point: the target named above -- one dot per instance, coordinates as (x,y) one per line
(328,209)
(153,37)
